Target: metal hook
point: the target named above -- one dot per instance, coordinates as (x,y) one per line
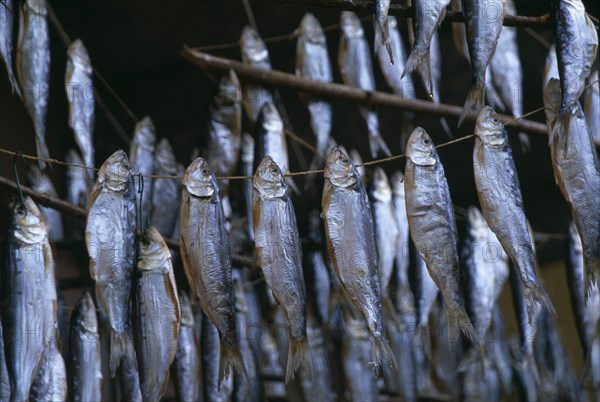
(141,193)
(18,154)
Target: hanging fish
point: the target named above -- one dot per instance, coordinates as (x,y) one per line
(166,193)
(33,68)
(41,183)
(350,238)
(550,68)
(591,104)
(502,204)
(318,282)
(50,383)
(141,155)
(110,238)
(382,33)
(386,230)
(432,227)
(359,382)
(354,62)
(129,380)
(28,297)
(358,163)
(247,170)
(318,386)
(156,314)
(85,375)
(215,387)
(255,53)
(312,62)
(435,55)
(280,257)
(204,246)
(483,22)
(186,368)
(7,15)
(425,291)
(80,94)
(4,379)
(429,14)
(77,194)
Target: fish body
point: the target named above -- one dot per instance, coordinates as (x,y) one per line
(317,387)
(7,15)
(166,193)
(156,315)
(247,167)
(215,388)
(350,235)
(429,14)
(50,383)
(550,68)
(382,32)
(591,103)
(204,247)
(141,155)
(312,62)
(386,229)
(502,204)
(41,183)
(317,273)
(432,227)
(359,382)
(33,68)
(280,256)
(354,61)
(80,94)
(577,173)
(270,138)
(4,379)
(28,298)
(426,291)
(255,53)
(77,194)
(110,238)
(186,370)
(85,377)
(483,26)
(129,380)
(392,73)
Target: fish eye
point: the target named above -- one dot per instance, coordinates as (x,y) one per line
(426,141)
(345,161)
(206,171)
(273,170)
(495,120)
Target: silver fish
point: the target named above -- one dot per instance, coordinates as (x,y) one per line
(33,68)
(445,358)
(41,183)
(28,297)
(247,170)
(80,94)
(204,247)
(429,14)
(4,379)
(392,73)
(502,204)
(50,383)
(402,343)
(382,32)
(426,291)
(432,227)
(483,26)
(166,193)
(435,63)
(354,62)
(110,238)
(350,235)
(550,67)
(386,229)
(591,103)
(141,155)
(317,273)
(255,53)
(312,62)
(129,380)
(270,138)
(7,15)
(358,162)
(215,387)
(85,376)
(577,173)
(317,387)
(280,257)
(186,369)
(156,314)
(77,194)
(359,381)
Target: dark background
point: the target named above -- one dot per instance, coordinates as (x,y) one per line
(135,45)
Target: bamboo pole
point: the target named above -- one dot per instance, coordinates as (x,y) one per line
(274,78)
(368,6)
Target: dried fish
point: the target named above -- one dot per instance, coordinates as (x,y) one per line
(4,379)
(382,34)
(318,386)
(186,370)
(141,155)
(215,387)
(41,183)
(247,170)
(7,15)
(255,53)
(166,193)
(78,185)
(50,383)
(591,103)
(318,282)
(359,381)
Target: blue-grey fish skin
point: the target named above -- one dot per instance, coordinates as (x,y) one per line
(28,298)
(78,186)
(40,182)
(214,388)
(8,13)
(359,382)
(4,379)
(33,68)
(186,368)
(50,383)
(166,193)
(141,155)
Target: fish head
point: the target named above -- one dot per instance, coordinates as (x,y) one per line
(154,253)
(230,91)
(165,157)
(78,55)
(351,26)
(397,180)
(254,49)
(143,133)
(339,169)
(199,179)
(420,148)
(489,129)
(270,118)
(187,315)
(552,99)
(28,223)
(115,172)
(381,189)
(88,313)
(311,31)
(268,179)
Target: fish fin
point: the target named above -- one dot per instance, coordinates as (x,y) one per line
(382,38)
(446,128)
(475,102)
(419,60)
(230,357)
(376,144)
(298,356)
(121,347)
(525,143)
(458,315)
(381,354)
(592,280)
(535,294)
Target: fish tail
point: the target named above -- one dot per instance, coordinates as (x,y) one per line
(230,357)
(419,59)
(458,316)
(446,128)
(535,294)
(382,38)
(475,102)
(121,347)
(381,354)
(376,144)
(298,356)
(592,279)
